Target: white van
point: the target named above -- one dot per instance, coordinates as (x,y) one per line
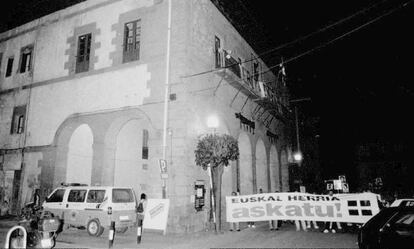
(93,207)
(403,203)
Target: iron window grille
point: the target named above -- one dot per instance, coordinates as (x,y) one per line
(84,52)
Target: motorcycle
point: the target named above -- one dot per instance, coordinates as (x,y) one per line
(38,229)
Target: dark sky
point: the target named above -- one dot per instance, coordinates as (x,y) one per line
(361,85)
(17,12)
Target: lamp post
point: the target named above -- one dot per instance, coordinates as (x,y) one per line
(212,123)
(297,156)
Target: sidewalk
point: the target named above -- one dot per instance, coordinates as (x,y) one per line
(148,240)
(259,237)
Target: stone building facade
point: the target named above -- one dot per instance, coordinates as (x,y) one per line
(82,97)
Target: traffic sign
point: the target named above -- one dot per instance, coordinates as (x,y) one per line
(163,166)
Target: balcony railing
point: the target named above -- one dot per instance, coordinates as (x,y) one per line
(241,78)
(232,64)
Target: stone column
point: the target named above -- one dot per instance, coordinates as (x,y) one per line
(98,148)
(108,165)
(59,175)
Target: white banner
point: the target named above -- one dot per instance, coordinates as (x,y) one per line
(355,208)
(156,214)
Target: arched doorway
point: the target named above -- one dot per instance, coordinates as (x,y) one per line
(284,171)
(245,163)
(261,167)
(80,155)
(128,157)
(274,170)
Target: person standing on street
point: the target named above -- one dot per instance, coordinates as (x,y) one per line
(274,224)
(330,225)
(300,224)
(142,205)
(234,226)
(35,201)
(309,223)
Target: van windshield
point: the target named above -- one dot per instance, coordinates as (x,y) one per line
(57,196)
(122,195)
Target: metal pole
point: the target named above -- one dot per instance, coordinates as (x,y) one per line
(212,196)
(166,97)
(111,234)
(297,128)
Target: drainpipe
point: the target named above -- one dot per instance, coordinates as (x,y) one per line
(166,97)
(20,201)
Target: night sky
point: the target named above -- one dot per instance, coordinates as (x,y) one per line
(361,85)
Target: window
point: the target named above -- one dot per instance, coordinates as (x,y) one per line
(404,222)
(84,52)
(26,59)
(17,126)
(217,50)
(9,68)
(122,195)
(57,196)
(77,195)
(132,40)
(95,196)
(145,144)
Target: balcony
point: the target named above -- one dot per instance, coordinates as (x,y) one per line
(238,76)
(235,74)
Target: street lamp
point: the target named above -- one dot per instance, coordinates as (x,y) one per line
(297,156)
(212,123)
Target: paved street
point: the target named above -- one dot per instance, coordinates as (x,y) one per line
(259,237)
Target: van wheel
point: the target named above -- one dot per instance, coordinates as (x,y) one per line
(121,229)
(94,228)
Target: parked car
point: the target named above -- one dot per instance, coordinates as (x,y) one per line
(392,227)
(403,202)
(93,207)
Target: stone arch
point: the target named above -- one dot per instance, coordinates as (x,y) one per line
(274,167)
(129,170)
(80,155)
(261,166)
(284,170)
(123,164)
(62,142)
(105,128)
(245,164)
